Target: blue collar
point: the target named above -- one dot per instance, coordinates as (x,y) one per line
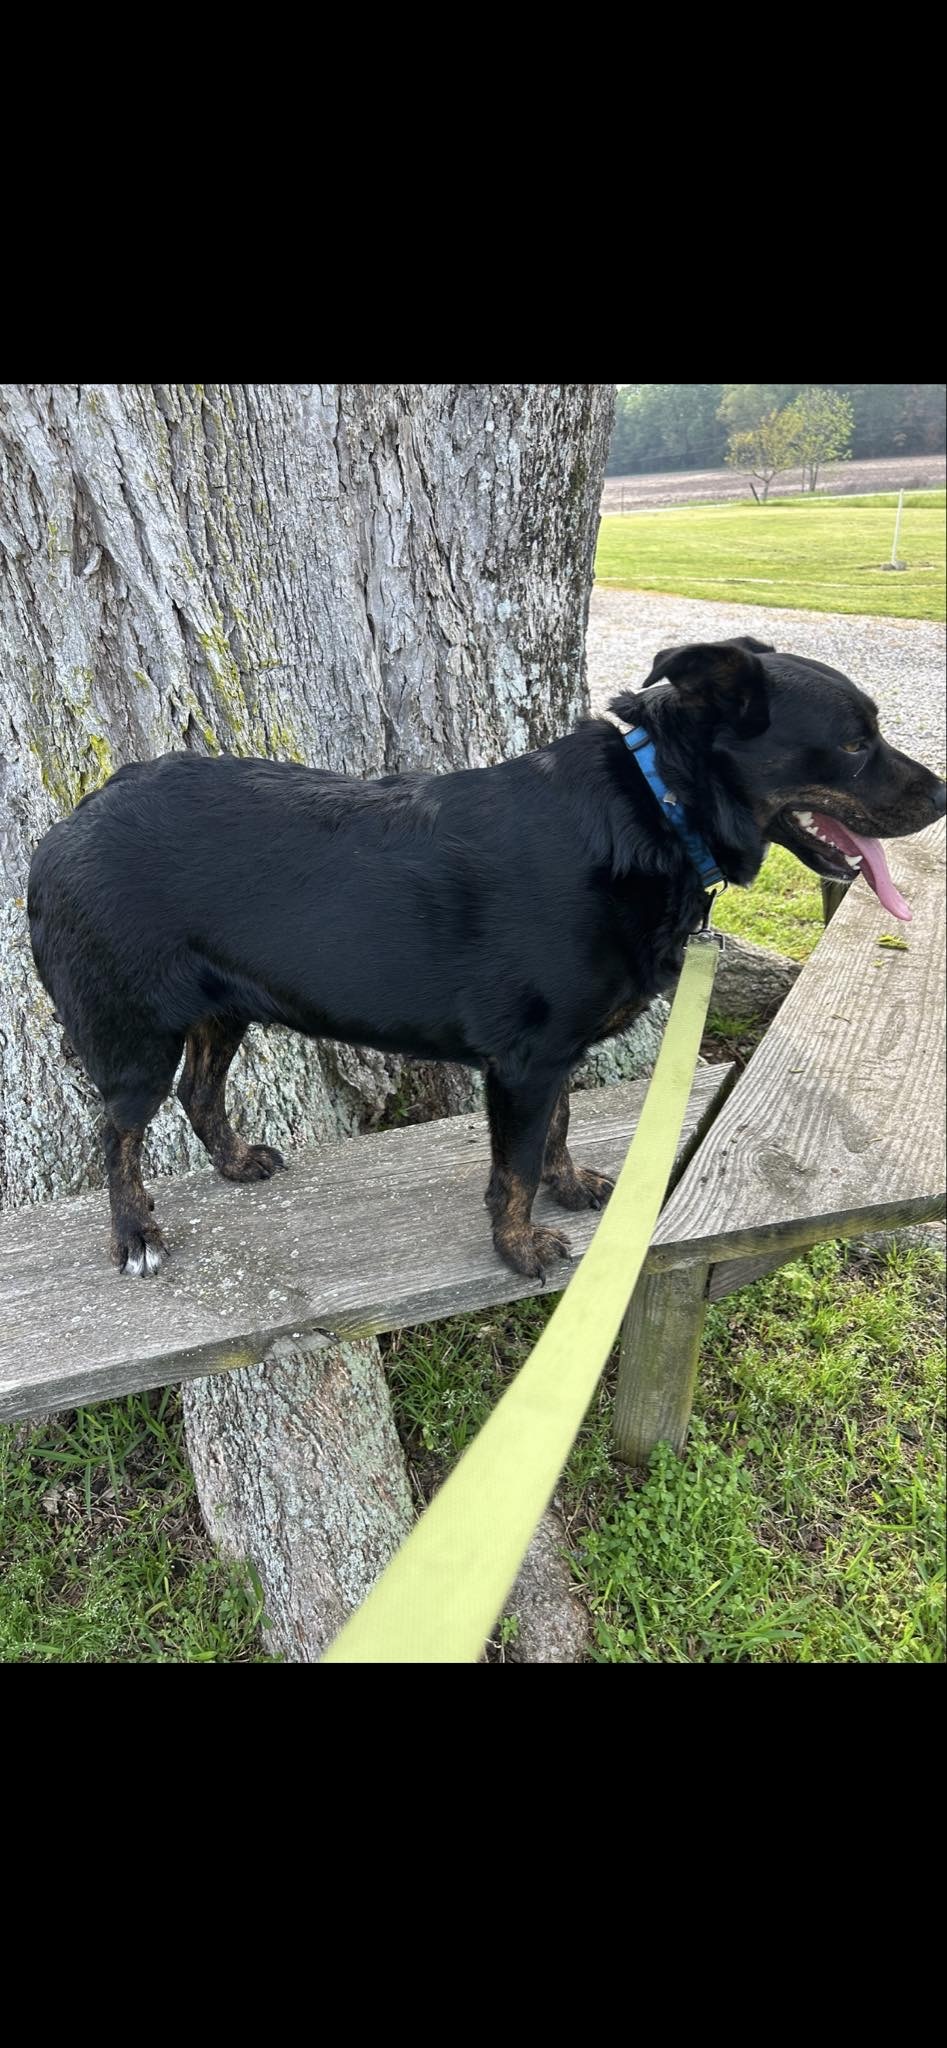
(641,745)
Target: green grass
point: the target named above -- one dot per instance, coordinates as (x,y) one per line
(783,909)
(814,554)
(103,1558)
(805,1522)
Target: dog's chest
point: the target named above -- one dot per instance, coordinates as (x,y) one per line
(621,1018)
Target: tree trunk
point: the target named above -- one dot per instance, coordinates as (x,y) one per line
(364,577)
(751,981)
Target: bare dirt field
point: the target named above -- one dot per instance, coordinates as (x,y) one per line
(714,486)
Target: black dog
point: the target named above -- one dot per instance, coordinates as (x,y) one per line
(507,917)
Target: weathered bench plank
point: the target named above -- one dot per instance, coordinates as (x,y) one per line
(367,1234)
(838,1123)
(836,1127)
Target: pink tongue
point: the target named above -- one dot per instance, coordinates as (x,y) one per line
(874,865)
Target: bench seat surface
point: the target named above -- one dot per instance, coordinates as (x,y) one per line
(838,1122)
(370,1233)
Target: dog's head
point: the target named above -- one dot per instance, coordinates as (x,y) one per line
(777,747)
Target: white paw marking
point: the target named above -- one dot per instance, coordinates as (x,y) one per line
(142,1263)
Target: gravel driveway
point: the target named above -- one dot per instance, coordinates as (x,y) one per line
(899,662)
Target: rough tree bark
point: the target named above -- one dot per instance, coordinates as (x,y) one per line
(364,577)
(751,981)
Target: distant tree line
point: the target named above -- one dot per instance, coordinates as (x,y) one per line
(689,426)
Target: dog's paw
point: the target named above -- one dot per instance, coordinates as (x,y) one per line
(252,1162)
(529,1251)
(580,1189)
(139,1253)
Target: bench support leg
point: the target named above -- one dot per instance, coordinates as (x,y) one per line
(657,1370)
(833,896)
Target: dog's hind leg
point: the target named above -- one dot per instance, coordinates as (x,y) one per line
(138,1247)
(519,1110)
(202,1089)
(573,1187)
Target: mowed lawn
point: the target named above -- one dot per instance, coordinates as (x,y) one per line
(804,1523)
(810,554)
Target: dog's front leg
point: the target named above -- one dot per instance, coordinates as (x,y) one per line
(572,1186)
(519,1108)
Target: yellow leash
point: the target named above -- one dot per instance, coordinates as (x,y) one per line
(438,1599)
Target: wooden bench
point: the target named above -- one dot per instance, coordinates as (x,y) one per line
(836,1128)
(364,1235)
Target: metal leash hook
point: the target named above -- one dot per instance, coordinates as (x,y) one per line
(705,930)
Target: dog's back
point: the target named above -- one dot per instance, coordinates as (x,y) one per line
(388,913)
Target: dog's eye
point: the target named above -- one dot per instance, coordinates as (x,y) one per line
(854,747)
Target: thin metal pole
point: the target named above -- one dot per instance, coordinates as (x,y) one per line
(897,529)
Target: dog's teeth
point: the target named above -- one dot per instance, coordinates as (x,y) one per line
(852,860)
(804,818)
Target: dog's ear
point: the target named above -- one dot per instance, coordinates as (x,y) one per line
(721,679)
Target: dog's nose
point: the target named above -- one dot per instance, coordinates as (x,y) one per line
(940,798)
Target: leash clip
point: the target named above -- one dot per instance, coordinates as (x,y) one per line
(705,931)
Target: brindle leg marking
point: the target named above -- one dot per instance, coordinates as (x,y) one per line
(202,1089)
(573,1187)
(138,1247)
(519,1108)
